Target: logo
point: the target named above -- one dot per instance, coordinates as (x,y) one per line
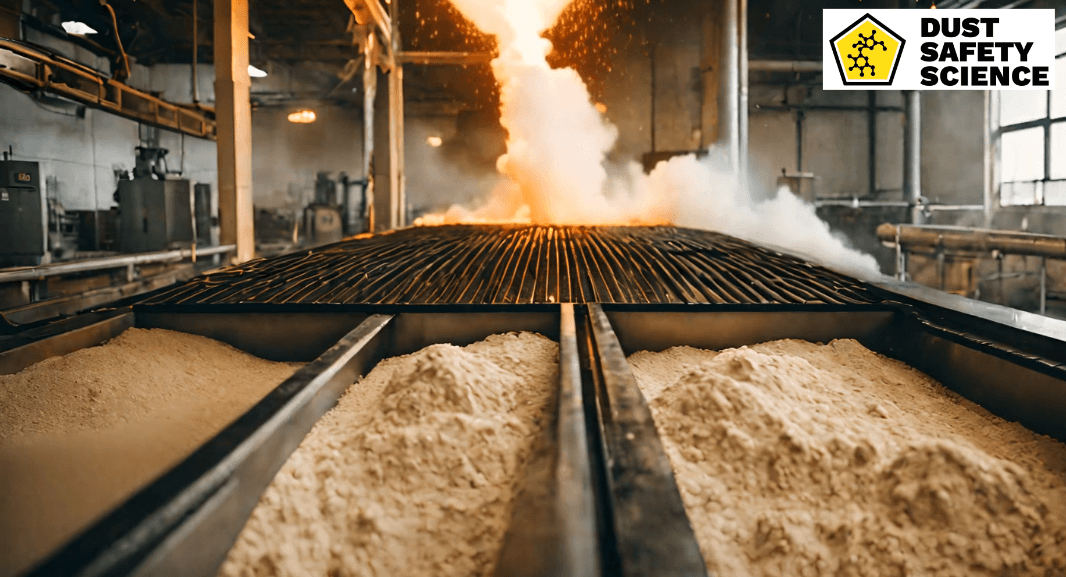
(958,49)
(867,53)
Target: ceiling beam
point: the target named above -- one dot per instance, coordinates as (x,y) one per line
(371,11)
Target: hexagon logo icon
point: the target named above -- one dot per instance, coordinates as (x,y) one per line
(867,53)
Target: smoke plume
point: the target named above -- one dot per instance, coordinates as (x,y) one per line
(555,169)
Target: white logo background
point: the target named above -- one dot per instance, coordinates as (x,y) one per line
(1036,26)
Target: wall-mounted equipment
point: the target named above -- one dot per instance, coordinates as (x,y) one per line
(23,215)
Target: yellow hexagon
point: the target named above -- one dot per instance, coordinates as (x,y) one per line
(867,52)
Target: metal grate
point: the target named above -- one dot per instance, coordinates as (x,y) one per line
(524,264)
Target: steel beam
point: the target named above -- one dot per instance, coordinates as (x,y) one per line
(32,70)
(234,117)
(445,58)
(371,11)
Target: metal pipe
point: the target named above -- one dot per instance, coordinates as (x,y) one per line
(785,65)
(912,154)
(429,58)
(972,240)
(729,88)
(50,270)
(195,49)
(742,98)
(991,159)
(871,142)
(1043,285)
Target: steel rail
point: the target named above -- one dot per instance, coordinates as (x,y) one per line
(65,268)
(652,533)
(171,527)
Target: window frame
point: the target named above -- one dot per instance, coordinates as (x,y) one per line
(1044,123)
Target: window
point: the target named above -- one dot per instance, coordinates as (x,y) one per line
(1033,140)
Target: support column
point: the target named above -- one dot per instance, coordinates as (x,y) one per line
(233,116)
(729,87)
(991,198)
(912,154)
(382,172)
(398,217)
(742,98)
(370,90)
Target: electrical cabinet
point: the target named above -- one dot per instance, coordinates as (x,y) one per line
(155,215)
(23,216)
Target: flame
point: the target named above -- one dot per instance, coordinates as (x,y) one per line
(558,138)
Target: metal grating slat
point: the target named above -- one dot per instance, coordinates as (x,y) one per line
(527,264)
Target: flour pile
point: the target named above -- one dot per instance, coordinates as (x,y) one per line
(800,459)
(413,473)
(82,432)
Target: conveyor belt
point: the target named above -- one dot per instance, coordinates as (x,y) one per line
(522,264)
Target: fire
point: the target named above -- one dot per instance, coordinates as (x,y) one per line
(558,138)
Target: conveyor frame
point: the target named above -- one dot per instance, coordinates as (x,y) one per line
(962,344)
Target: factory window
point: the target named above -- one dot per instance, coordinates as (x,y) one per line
(1033,141)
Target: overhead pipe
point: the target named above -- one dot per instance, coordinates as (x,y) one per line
(785,65)
(972,240)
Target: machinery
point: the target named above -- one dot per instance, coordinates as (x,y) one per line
(324,218)
(157,211)
(602,499)
(23,214)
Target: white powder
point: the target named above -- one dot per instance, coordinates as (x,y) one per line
(82,432)
(414,471)
(800,459)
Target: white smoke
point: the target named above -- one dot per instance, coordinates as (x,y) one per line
(555,170)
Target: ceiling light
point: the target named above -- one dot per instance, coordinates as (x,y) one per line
(434,141)
(256,72)
(302,117)
(73,27)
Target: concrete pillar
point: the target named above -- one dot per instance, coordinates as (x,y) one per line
(233,116)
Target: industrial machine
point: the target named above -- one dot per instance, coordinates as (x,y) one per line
(324,218)
(23,214)
(156,212)
(602,498)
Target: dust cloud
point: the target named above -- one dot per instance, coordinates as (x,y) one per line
(555,170)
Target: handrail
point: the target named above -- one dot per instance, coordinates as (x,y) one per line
(49,270)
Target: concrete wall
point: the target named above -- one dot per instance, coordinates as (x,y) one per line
(286,157)
(80,149)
